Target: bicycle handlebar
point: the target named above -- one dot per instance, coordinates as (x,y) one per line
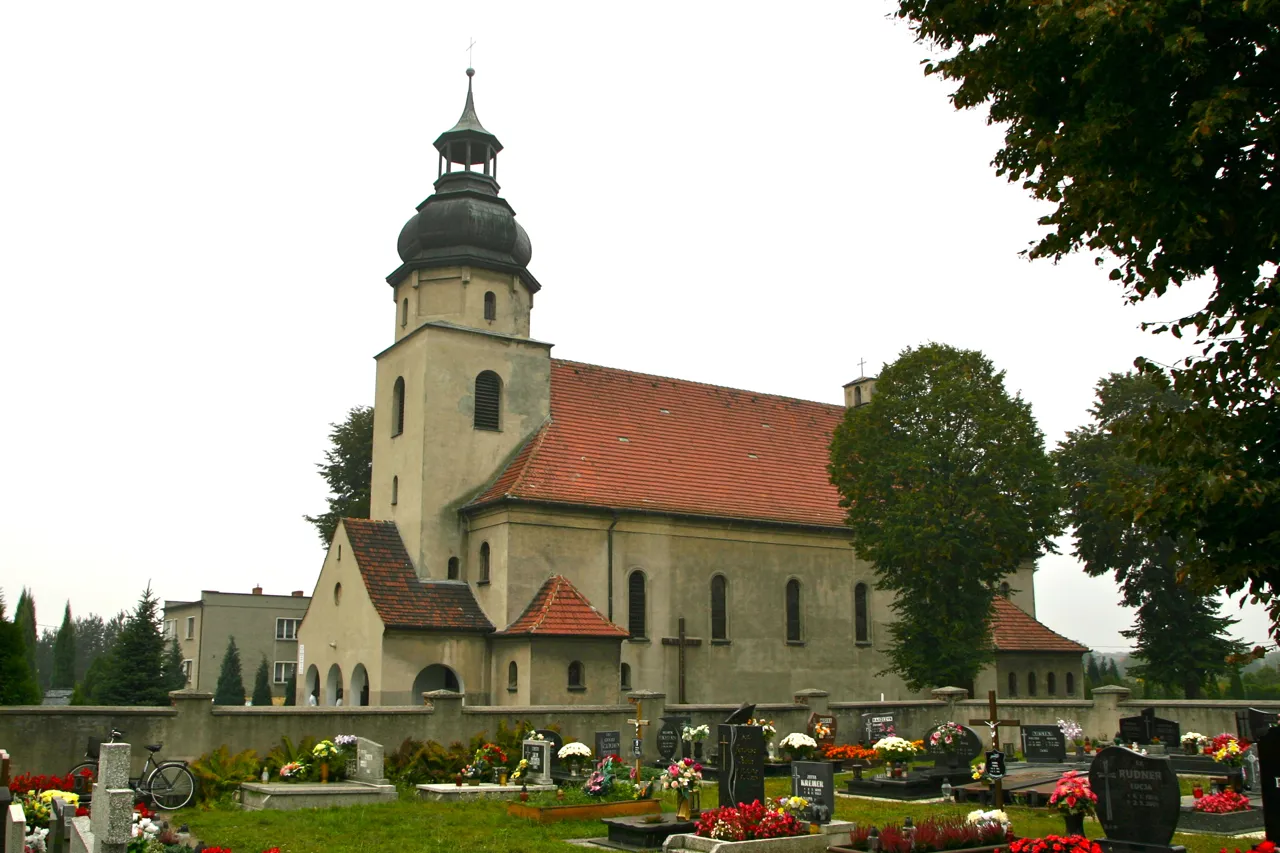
(116,733)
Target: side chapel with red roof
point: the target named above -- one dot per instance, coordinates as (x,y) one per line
(540,529)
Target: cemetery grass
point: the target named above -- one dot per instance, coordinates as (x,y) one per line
(484,826)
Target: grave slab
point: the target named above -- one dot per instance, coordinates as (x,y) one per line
(643,832)
(447,792)
(796,844)
(1233,823)
(287,797)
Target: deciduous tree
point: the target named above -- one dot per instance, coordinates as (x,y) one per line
(1151,127)
(948,490)
(348,469)
(230,687)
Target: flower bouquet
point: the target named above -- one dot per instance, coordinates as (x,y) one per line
(1227,750)
(683,777)
(326,751)
(574,754)
(601,780)
(522,768)
(347,745)
(695,735)
(1074,798)
(821,730)
(798,746)
(293,771)
(948,737)
(895,752)
(1072,731)
(1193,743)
(993,817)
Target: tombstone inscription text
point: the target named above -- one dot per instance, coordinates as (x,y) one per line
(608,743)
(742,754)
(813,780)
(1043,744)
(1138,796)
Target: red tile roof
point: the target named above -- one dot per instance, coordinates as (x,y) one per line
(1015,631)
(559,610)
(625,440)
(400,597)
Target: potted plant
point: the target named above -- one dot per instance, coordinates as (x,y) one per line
(325,751)
(1057,843)
(747,822)
(683,777)
(695,735)
(574,754)
(1073,732)
(1074,798)
(895,752)
(1193,743)
(798,746)
(947,738)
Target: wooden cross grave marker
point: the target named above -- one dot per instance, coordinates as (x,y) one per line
(993,725)
(638,746)
(681,642)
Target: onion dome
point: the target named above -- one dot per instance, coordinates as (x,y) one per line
(466,222)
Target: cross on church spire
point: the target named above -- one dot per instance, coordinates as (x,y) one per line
(470,58)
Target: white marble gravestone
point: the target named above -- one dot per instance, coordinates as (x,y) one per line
(538,754)
(369,763)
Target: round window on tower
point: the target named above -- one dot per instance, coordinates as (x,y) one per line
(337,594)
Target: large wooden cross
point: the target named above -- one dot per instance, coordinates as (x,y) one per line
(993,724)
(681,642)
(639,724)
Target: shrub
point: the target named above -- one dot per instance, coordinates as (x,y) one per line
(220,773)
(933,834)
(415,762)
(287,753)
(747,822)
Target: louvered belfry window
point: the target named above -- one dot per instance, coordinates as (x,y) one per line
(719,626)
(635,604)
(793,611)
(488,401)
(861,630)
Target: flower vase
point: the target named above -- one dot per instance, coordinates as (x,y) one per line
(697,750)
(574,770)
(685,807)
(502,776)
(324,773)
(473,780)
(1075,823)
(1191,748)
(899,770)
(1235,780)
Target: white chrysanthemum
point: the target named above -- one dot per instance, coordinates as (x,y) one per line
(798,740)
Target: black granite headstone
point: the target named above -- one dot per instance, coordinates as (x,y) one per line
(556,742)
(969,748)
(741,771)
(608,743)
(1134,730)
(1043,744)
(1269,780)
(669,738)
(813,780)
(1253,723)
(1138,797)
(878,725)
(995,767)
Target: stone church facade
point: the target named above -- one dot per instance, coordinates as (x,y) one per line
(541,529)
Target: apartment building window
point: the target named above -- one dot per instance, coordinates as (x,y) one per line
(287,629)
(191,627)
(186,670)
(284,670)
(170,628)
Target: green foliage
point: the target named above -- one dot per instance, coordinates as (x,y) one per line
(948,490)
(416,762)
(230,687)
(132,673)
(24,615)
(64,653)
(1179,634)
(262,685)
(17,684)
(171,666)
(86,692)
(348,469)
(291,690)
(1237,689)
(1150,126)
(287,753)
(220,773)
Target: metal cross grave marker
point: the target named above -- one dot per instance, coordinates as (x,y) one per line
(993,725)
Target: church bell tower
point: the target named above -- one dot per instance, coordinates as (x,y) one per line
(462,386)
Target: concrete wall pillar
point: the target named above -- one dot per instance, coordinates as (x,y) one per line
(1106,708)
(951,695)
(817,700)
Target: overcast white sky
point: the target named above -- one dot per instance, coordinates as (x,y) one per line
(199,206)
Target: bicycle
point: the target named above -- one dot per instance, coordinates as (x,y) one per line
(168,784)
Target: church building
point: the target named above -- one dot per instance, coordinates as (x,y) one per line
(551,532)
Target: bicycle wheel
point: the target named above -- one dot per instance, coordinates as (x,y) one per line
(171,786)
(84,775)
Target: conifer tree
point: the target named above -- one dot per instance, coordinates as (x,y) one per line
(1236,690)
(174,677)
(64,653)
(1092,670)
(17,683)
(291,690)
(25,617)
(133,673)
(230,689)
(262,685)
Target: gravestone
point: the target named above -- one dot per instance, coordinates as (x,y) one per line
(814,780)
(1252,723)
(13,828)
(995,766)
(1145,727)
(969,748)
(369,763)
(1138,797)
(608,743)
(1043,745)
(741,715)
(741,769)
(538,754)
(1269,780)
(827,720)
(879,724)
(669,737)
(1249,767)
(111,820)
(556,742)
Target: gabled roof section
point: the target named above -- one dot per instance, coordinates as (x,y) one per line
(559,610)
(1015,631)
(400,597)
(624,440)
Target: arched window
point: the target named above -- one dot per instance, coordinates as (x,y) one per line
(488,401)
(404,313)
(484,562)
(635,605)
(1051,684)
(1004,589)
(1071,684)
(453,568)
(1013,684)
(1031,684)
(793,611)
(857,396)
(397,406)
(513,675)
(625,676)
(490,306)
(575,675)
(719,621)
(861,627)
(395,490)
